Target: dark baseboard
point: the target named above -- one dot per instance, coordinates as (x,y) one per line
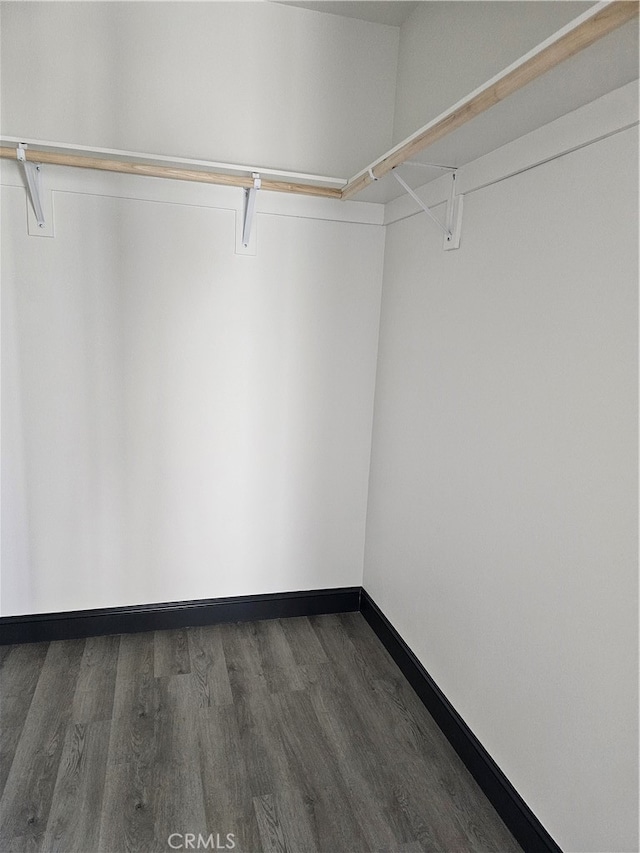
(178,614)
(516,814)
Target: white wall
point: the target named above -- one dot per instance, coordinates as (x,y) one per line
(502,522)
(252,83)
(181,422)
(448,49)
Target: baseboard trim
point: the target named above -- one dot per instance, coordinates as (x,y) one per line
(75,624)
(516,814)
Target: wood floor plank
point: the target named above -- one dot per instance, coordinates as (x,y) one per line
(333,822)
(136,701)
(26,799)
(9,737)
(271,834)
(23,844)
(95,689)
(209,667)
(367,778)
(127,819)
(135,657)
(225,778)
(318,676)
(18,679)
(19,674)
(5,651)
(261,744)
(158,791)
(171,653)
(290,814)
(177,791)
(303,641)
(244,664)
(74,819)
(278,662)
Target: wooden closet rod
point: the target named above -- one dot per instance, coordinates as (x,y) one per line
(105,165)
(600,24)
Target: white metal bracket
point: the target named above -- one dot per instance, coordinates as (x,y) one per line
(454,218)
(33,177)
(245,219)
(453,225)
(39,201)
(250,208)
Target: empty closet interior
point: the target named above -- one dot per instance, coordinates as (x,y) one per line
(307,297)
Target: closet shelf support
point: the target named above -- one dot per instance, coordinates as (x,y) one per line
(453,227)
(33,176)
(250,208)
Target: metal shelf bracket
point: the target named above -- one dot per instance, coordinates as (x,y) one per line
(250,208)
(454,218)
(452,228)
(33,176)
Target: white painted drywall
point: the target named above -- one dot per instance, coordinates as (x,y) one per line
(448,49)
(252,83)
(502,522)
(181,422)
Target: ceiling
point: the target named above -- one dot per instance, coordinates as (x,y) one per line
(391,12)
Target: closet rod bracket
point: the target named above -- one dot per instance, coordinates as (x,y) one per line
(454,217)
(250,208)
(452,229)
(33,176)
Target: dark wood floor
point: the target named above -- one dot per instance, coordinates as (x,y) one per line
(295,735)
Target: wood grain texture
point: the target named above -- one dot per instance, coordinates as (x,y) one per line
(209,667)
(303,641)
(26,799)
(19,673)
(176,797)
(104,164)
(77,798)
(9,737)
(271,833)
(93,699)
(292,813)
(327,797)
(156,790)
(261,744)
(136,700)
(224,772)
(277,659)
(171,653)
(295,736)
(24,844)
(244,665)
